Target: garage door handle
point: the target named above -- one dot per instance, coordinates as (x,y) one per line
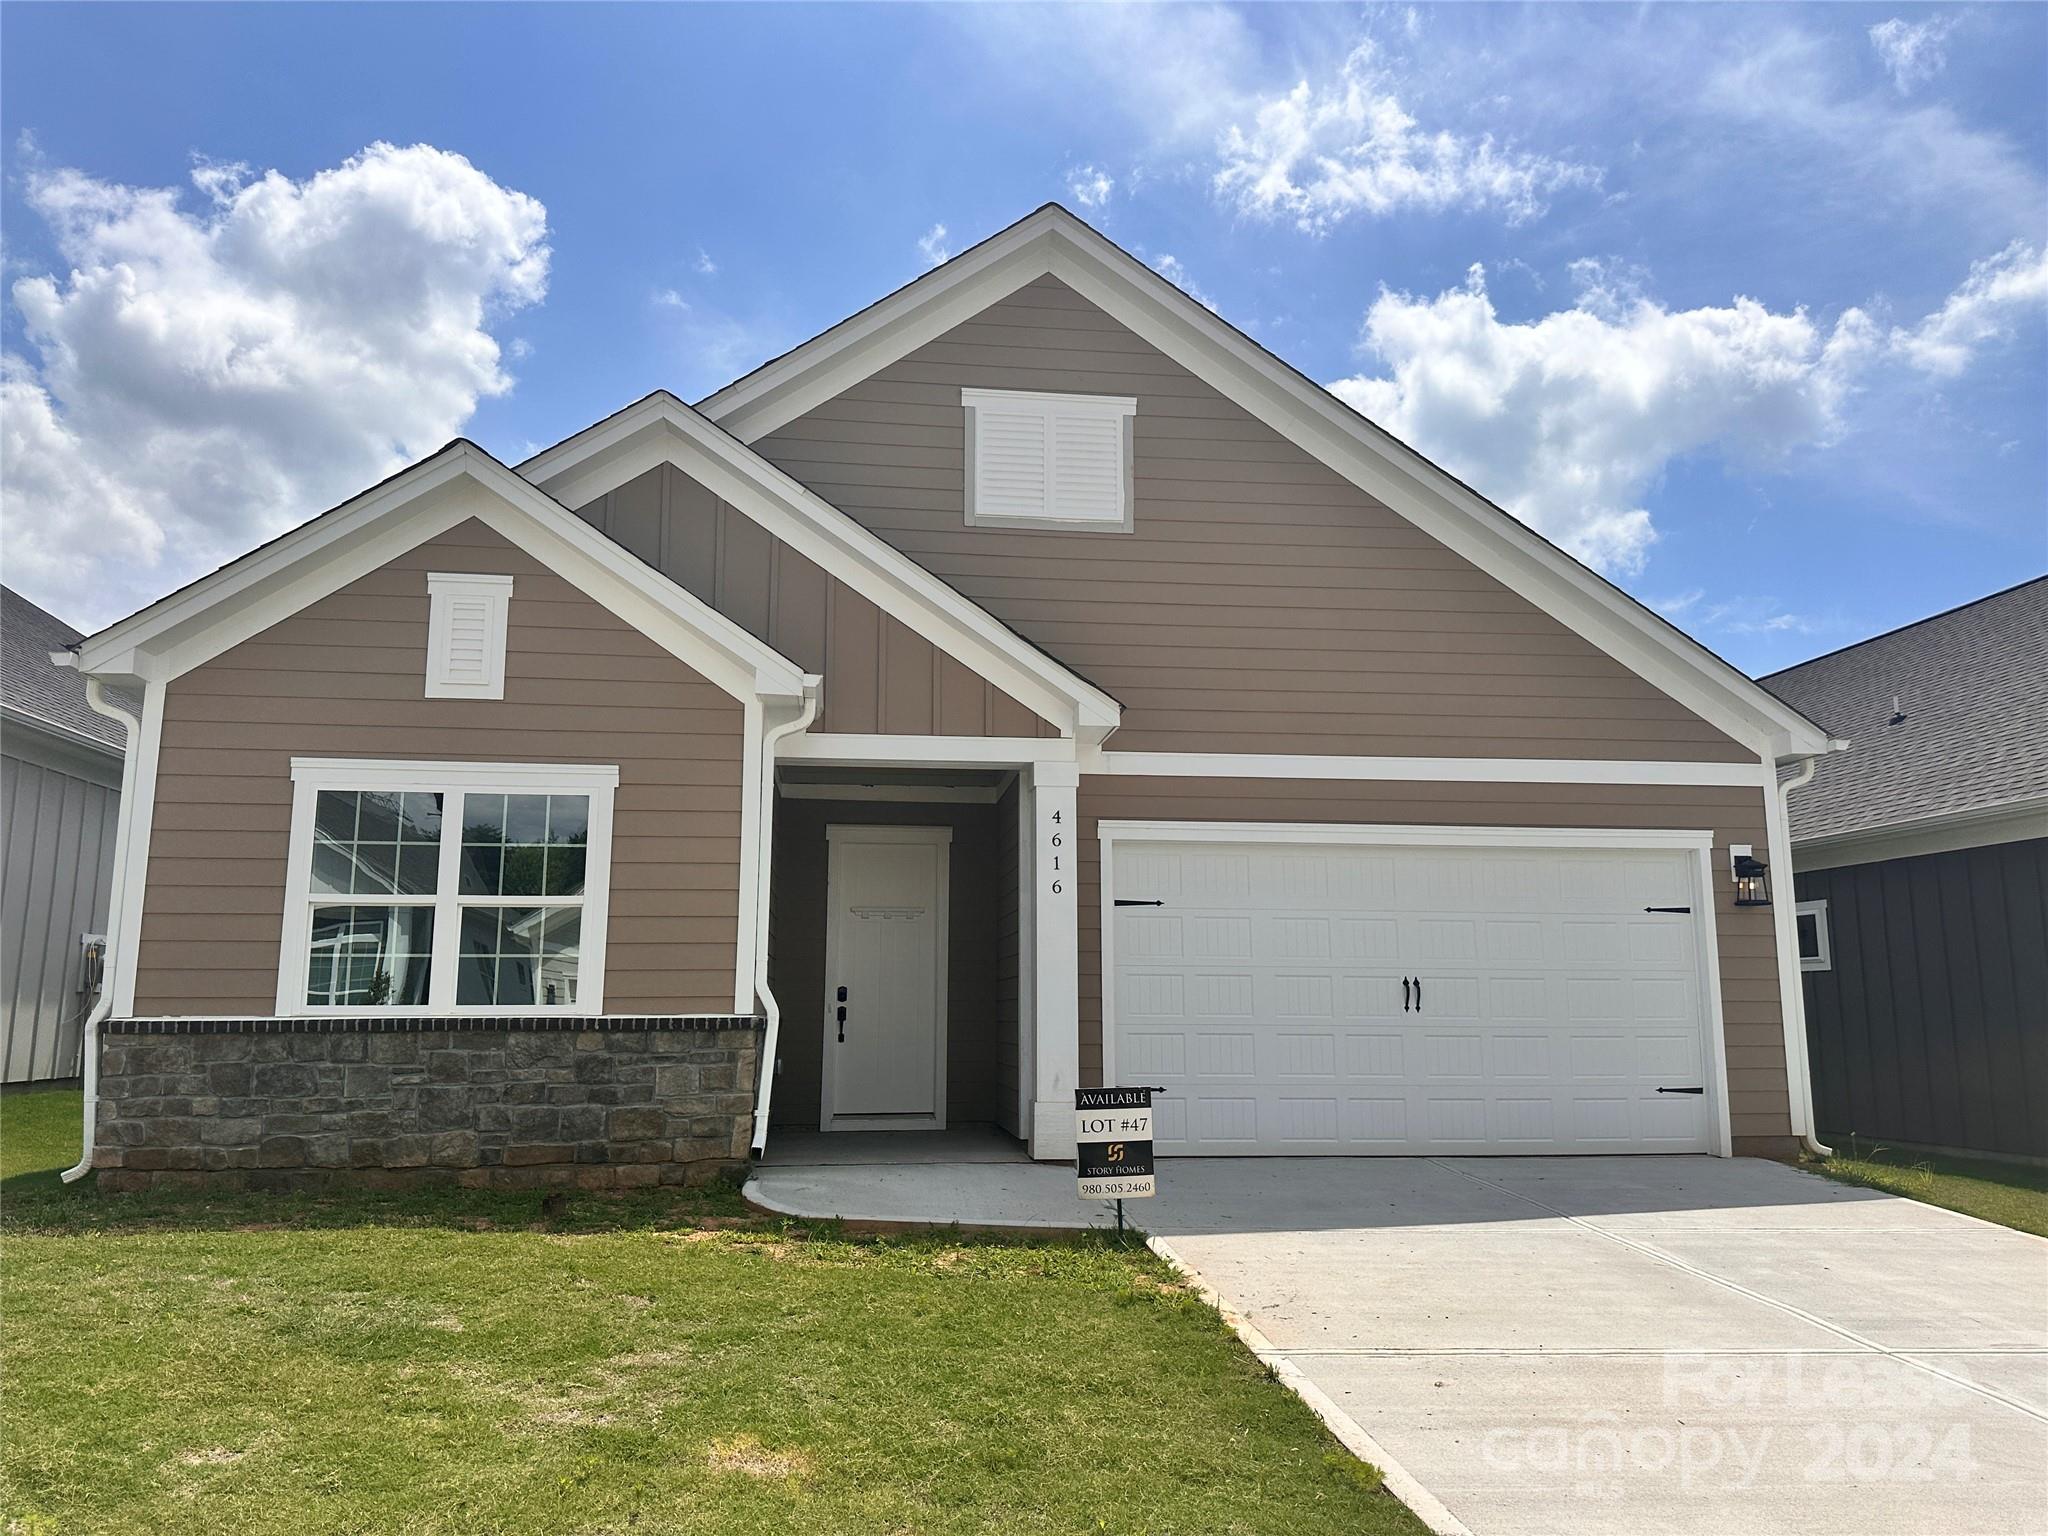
(1123,902)
(1667,909)
(1404,994)
(1681,1090)
(1418,994)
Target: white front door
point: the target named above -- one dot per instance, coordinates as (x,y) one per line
(885,978)
(1327,998)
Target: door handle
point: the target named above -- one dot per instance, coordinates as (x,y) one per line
(1418,994)
(842,1018)
(1404,994)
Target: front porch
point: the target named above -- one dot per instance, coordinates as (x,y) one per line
(927,987)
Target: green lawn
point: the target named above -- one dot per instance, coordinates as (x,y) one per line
(2011,1194)
(653,1363)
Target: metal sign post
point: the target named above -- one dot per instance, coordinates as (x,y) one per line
(1113,1145)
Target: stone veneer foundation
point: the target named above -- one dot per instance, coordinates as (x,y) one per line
(495,1102)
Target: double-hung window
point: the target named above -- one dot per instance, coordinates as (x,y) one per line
(446,887)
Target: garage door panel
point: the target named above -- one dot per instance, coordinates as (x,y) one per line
(1552,1008)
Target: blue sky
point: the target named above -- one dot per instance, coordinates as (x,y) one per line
(1746,305)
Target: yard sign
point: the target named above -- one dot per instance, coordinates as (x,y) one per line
(1113,1142)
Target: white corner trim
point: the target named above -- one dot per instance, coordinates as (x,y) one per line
(926,751)
(1052,241)
(138,814)
(751,917)
(190,627)
(1457,770)
(1373,834)
(467,618)
(661,429)
(310,775)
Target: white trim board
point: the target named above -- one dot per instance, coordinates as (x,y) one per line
(662,429)
(838,835)
(1454,770)
(926,751)
(1053,241)
(1983,827)
(1699,844)
(1374,834)
(192,626)
(310,775)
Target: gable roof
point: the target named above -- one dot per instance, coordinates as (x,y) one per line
(35,689)
(1971,691)
(459,482)
(1054,241)
(661,429)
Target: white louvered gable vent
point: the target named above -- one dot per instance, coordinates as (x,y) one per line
(466,636)
(1055,461)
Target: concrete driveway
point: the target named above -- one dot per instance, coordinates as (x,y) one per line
(1636,1345)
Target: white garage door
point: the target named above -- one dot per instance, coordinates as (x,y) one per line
(1346,999)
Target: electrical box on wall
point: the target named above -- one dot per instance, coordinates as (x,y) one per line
(92,963)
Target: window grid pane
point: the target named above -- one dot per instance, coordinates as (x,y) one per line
(375,892)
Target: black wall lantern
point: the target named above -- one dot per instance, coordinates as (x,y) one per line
(1752,877)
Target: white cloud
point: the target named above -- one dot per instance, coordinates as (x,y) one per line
(1175,271)
(706,267)
(1090,185)
(932,245)
(668,298)
(1319,155)
(206,378)
(1568,420)
(1912,52)
(1997,297)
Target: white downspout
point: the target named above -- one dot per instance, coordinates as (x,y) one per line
(1788,950)
(771,1009)
(95,695)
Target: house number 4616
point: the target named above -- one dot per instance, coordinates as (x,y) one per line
(1058,842)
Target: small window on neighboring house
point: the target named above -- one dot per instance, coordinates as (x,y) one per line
(1048,461)
(1811,919)
(466,636)
(439,887)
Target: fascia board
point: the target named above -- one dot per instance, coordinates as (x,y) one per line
(664,430)
(326,554)
(1055,242)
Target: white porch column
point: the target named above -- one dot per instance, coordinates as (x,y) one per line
(1056,959)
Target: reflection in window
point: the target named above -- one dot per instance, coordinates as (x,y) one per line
(369,957)
(515,957)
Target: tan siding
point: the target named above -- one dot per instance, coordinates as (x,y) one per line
(346,678)
(1262,604)
(879,675)
(1759,1101)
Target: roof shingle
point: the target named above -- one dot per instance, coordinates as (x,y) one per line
(30,685)
(1971,686)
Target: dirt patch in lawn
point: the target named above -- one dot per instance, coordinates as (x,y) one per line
(746,1455)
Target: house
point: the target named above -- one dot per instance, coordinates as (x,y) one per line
(1921,862)
(1029,682)
(60,790)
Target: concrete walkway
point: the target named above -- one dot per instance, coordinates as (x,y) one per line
(1600,1345)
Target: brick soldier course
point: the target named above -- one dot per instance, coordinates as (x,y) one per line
(493,1102)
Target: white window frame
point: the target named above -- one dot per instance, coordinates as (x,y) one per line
(1052,406)
(1824,957)
(443,589)
(451,781)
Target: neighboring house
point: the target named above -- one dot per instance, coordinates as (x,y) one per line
(60,793)
(1028,682)
(1922,865)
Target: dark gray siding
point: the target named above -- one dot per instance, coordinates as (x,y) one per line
(58,807)
(1931,1027)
